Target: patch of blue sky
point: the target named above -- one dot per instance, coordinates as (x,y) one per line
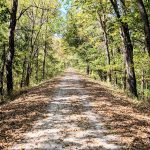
(65,5)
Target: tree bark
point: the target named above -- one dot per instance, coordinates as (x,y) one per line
(103,25)
(29,69)
(116,79)
(37,66)
(28,73)
(32,45)
(2,71)
(23,72)
(142,83)
(88,69)
(128,51)
(124,79)
(44,59)
(107,54)
(146,23)
(100,74)
(11,51)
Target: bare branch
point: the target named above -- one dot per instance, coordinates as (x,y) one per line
(23,11)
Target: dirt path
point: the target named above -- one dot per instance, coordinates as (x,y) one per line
(82,115)
(70,123)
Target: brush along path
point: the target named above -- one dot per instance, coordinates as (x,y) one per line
(79,114)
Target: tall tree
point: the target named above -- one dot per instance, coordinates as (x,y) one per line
(103,22)
(146,23)
(2,70)
(128,50)
(10,55)
(34,38)
(45,51)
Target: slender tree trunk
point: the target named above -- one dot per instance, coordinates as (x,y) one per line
(2,71)
(10,56)
(23,72)
(32,45)
(29,67)
(44,60)
(45,51)
(27,80)
(124,79)
(107,54)
(37,66)
(142,83)
(100,74)
(103,25)
(128,51)
(146,23)
(116,79)
(88,69)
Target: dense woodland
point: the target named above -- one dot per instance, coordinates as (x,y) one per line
(109,39)
(29,48)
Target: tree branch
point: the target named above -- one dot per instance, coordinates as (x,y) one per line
(23,11)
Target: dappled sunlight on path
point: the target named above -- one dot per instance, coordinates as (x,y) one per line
(70,122)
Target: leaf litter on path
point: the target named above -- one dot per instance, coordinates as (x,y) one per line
(72,112)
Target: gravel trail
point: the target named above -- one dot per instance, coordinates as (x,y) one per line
(70,123)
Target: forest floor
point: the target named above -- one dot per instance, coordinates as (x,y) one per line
(73,112)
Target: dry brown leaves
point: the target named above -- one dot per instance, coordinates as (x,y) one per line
(19,116)
(121,116)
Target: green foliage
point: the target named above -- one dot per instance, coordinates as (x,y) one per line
(71,33)
(4,12)
(38,24)
(84,23)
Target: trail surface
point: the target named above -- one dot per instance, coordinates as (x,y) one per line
(70,123)
(77,117)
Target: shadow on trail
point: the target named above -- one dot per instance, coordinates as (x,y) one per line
(70,122)
(18,116)
(121,117)
(80,115)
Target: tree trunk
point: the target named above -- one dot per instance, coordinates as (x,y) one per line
(44,60)
(142,83)
(103,25)
(2,71)
(144,17)
(124,79)
(100,74)
(11,51)
(128,51)
(32,45)
(107,54)
(28,73)
(23,72)
(37,66)
(88,69)
(29,68)
(116,79)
